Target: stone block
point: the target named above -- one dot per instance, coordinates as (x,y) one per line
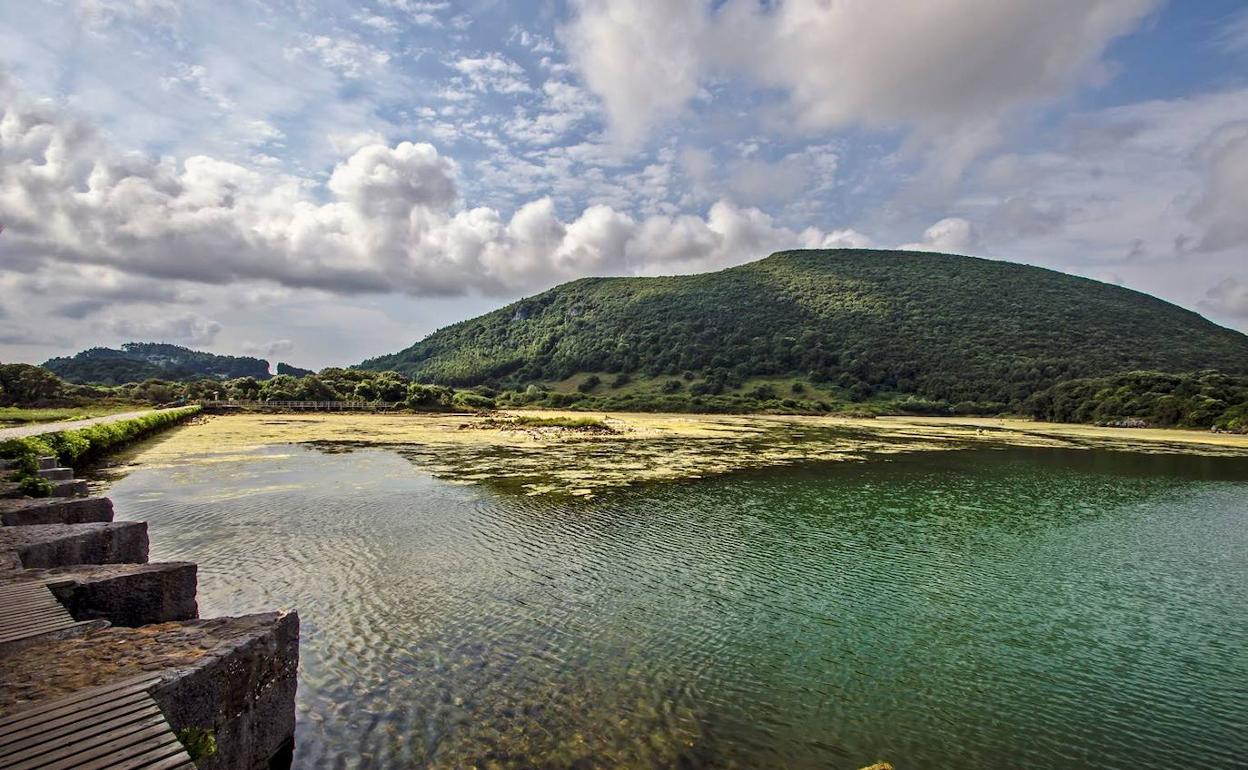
(78,510)
(125,594)
(63,545)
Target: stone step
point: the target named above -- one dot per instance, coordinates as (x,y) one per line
(46,463)
(69,488)
(56,474)
(64,545)
(56,510)
(128,595)
(66,488)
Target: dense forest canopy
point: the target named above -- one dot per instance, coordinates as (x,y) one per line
(945,328)
(138,361)
(1142,399)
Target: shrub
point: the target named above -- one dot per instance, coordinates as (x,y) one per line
(467,400)
(34,486)
(591,382)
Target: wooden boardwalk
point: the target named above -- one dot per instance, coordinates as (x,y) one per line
(102,728)
(30,609)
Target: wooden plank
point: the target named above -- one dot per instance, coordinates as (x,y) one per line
(176,762)
(63,724)
(73,712)
(106,755)
(79,698)
(167,751)
(43,627)
(52,747)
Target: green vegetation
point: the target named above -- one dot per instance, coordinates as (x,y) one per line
(861,327)
(137,361)
(200,742)
(530,421)
(1149,399)
(293,371)
(74,447)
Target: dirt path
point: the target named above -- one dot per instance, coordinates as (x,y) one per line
(52,427)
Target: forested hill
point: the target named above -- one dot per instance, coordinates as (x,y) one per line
(938,326)
(138,361)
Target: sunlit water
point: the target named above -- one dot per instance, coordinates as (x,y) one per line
(976,609)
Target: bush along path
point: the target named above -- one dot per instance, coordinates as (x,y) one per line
(39,460)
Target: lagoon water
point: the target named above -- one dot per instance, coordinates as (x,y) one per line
(986,608)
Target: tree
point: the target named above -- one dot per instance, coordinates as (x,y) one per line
(25,384)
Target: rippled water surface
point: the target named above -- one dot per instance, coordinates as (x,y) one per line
(977,609)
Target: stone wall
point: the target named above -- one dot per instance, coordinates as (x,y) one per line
(245,695)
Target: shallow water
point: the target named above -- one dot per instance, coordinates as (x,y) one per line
(974,609)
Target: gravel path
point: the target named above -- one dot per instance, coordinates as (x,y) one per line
(53,427)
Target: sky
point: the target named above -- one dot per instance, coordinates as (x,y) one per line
(319,182)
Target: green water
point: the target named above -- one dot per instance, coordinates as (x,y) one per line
(978,609)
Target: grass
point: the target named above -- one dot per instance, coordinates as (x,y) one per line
(15,415)
(560,422)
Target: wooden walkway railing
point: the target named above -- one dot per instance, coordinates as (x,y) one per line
(114,726)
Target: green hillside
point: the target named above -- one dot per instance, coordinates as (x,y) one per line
(864,322)
(138,361)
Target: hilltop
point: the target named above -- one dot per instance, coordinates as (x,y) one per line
(856,324)
(138,361)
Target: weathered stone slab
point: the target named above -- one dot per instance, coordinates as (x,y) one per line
(56,474)
(124,594)
(78,510)
(245,694)
(234,676)
(70,488)
(63,545)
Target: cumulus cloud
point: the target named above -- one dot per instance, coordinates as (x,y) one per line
(938,66)
(951,235)
(388,219)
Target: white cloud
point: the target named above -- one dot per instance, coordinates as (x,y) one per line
(935,66)
(493,72)
(845,239)
(952,235)
(422,14)
(644,58)
(391,222)
(349,58)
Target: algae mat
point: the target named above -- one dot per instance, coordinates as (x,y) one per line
(641,447)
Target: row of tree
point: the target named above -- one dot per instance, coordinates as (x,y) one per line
(1148,399)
